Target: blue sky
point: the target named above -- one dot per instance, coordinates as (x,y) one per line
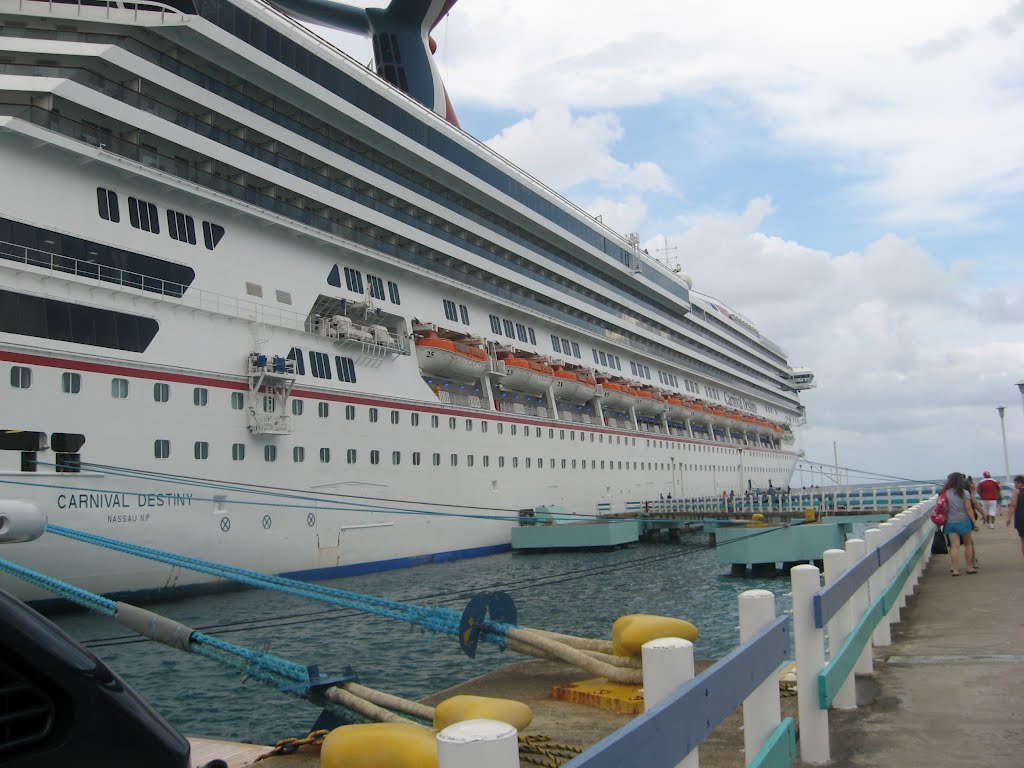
(850,176)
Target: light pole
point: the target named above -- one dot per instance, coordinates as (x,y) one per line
(1002,426)
(1020,386)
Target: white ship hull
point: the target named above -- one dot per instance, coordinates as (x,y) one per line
(359,452)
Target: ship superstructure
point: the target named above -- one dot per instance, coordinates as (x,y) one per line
(258,305)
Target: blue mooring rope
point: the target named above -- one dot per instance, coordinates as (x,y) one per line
(434,619)
(259,665)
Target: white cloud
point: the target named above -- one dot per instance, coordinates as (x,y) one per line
(910,356)
(566,151)
(917,102)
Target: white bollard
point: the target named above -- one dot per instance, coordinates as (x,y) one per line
(473,743)
(761,709)
(891,567)
(836,564)
(876,586)
(810,660)
(668,664)
(855,549)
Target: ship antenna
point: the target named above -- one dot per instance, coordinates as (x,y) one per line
(664,250)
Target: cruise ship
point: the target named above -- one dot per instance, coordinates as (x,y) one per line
(265,305)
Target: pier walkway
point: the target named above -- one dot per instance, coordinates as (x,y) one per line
(949,691)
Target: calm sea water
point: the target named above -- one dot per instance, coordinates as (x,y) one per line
(577,593)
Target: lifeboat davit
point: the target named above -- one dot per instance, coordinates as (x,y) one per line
(576,386)
(523,375)
(616,395)
(450,359)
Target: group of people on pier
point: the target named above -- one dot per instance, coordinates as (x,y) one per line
(970,506)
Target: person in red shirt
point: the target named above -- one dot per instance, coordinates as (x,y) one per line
(991,497)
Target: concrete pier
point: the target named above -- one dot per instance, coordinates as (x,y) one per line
(950,688)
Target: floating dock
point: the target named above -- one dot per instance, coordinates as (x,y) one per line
(758,544)
(550,528)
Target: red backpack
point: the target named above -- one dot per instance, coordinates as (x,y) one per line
(941,509)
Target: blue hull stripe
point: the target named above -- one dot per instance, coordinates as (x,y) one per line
(313,574)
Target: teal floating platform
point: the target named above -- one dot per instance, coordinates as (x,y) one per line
(545,528)
(743,545)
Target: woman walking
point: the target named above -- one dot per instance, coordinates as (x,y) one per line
(960,523)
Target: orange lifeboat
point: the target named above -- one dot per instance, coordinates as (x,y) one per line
(450,358)
(574,385)
(525,375)
(617,395)
(676,407)
(649,401)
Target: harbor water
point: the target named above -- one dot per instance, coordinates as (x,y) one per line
(578,593)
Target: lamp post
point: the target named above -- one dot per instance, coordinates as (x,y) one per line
(1002,425)
(1020,386)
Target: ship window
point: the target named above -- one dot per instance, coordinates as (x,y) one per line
(333,277)
(647,372)
(515,462)
(416,458)
(596,360)
(200,396)
(295,355)
(487,461)
(604,359)
(374,414)
(119,389)
(510,329)
(320,365)
(325,455)
(455,459)
(501,462)
(297,407)
(464,314)
(70,383)
(396,457)
(469,425)
(354,280)
(162,449)
(528,462)
(323,409)
(238,452)
(512,430)
(270,453)
(576,350)
(376,286)
(533,336)
(450,312)
(526,431)
(237,401)
(21,377)
(181,226)
(201,450)
(632,367)
(351,455)
(556,344)
(161,392)
(143,215)
(495,324)
(396,298)
(501,428)
(434,421)
(107,201)
(298,454)
(395,416)
(346,368)
(212,233)
(565,346)
(414,419)
(483,426)
(436,459)
(451,422)
(375,457)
